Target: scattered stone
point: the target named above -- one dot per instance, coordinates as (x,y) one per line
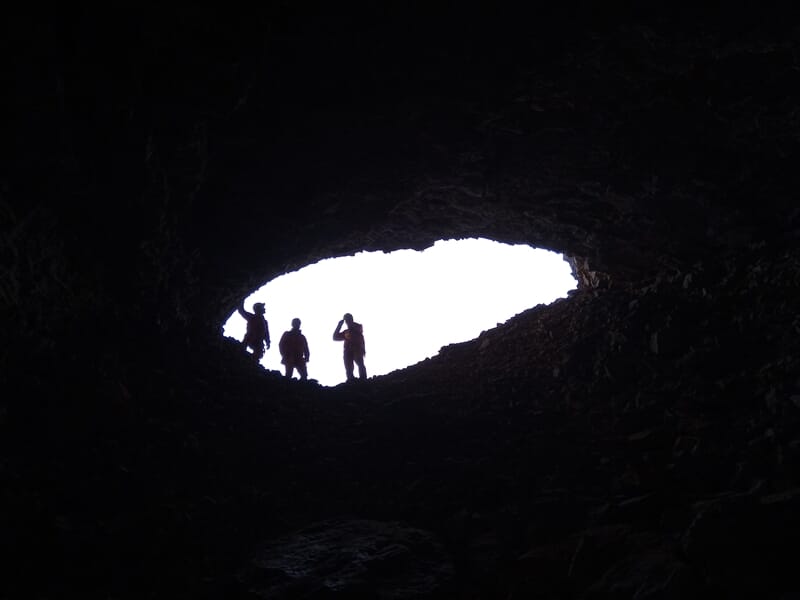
(351,558)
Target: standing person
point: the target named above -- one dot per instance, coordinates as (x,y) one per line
(257,334)
(354,347)
(294,351)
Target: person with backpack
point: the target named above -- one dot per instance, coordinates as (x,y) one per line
(294,351)
(256,336)
(354,346)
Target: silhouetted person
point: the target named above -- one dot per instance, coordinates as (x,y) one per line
(354,347)
(257,334)
(294,351)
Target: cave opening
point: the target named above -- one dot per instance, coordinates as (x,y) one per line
(410,303)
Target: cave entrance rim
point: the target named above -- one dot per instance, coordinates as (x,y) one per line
(410,303)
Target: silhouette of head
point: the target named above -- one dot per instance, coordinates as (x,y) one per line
(258,308)
(295,323)
(348,318)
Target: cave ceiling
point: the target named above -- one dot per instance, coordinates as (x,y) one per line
(216,150)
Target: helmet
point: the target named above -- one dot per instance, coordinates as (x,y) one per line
(296,323)
(259,307)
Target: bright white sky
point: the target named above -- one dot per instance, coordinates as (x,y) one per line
(410,303)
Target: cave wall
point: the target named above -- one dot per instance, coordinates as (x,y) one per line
(162,164)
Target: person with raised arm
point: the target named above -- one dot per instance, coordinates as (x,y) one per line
(256,336)
(354,347)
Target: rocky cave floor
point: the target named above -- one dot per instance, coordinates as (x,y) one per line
(536,461)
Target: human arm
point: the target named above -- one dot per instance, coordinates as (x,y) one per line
(282,345)
(360,329)
(241,310)
(338,336)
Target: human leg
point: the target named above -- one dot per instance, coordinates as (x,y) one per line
(362,369)
(348,365)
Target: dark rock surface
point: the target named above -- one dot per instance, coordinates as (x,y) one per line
(640,439)
(351,558)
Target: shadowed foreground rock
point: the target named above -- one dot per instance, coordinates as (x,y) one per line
(640,439)
(351,559)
